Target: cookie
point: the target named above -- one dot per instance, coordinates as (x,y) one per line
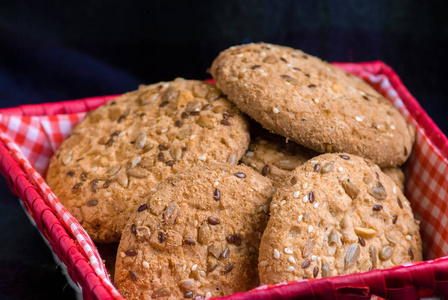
(312,102)
(121,150)
(396,174)
(197,235)
(337,214)
(276,157)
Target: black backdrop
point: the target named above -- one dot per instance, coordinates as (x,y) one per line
(59,50)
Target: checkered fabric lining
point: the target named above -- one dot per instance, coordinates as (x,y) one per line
(33,140)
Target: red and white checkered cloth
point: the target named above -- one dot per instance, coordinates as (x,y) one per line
(33,139)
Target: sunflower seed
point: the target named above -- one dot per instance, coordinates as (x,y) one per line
(170,214)
(350,189)
(122,178)
(378,192)
(333,238)
(170,94)
(326,272)
(386,253)
(161,293)
(373,256)
(309,246)
(140,142)
(352,255)
(391,238)
(138,172)
(327,168)
(67,158)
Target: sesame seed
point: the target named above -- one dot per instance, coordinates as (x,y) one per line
(274,206)
(305,185)
(202,157)
(184,267)
(358,119)
(316,100)
(249,153)
(145,265)
(291,259)
(316,205)
(203,274)
(408,237)
(319,258)
(216,184)
(260,209)
(340,169)
(310,229)
(296,194)
(313,257)
(122,254)
(276,254)
(314,161)
(395,190)
(291,269)
(253,165)
(406,204)
(305,199)
(263,263)
(194,267)
(282,202)
(192,137)
(275,110)
(392,127)
(208,295)
(300,218)
(288,251)
(239,55)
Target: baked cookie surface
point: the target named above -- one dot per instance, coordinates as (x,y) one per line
(337,214)
(275,157)
(197,235)
(121,150)
(312,102)
(397,175)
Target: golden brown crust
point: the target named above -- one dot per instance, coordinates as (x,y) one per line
(312,102)
(337,215)
(198,235)
(276,157)
(121,150)
(397,175)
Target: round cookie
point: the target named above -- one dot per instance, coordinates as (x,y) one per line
(337,214)
(312,102)
(276,157)
(197,235)
(121,150)
(396,174)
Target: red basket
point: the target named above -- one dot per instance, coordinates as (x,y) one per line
(30,134)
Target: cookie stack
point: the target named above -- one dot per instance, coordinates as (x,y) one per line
(158,167)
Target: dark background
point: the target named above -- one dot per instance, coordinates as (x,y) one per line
(60,50)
